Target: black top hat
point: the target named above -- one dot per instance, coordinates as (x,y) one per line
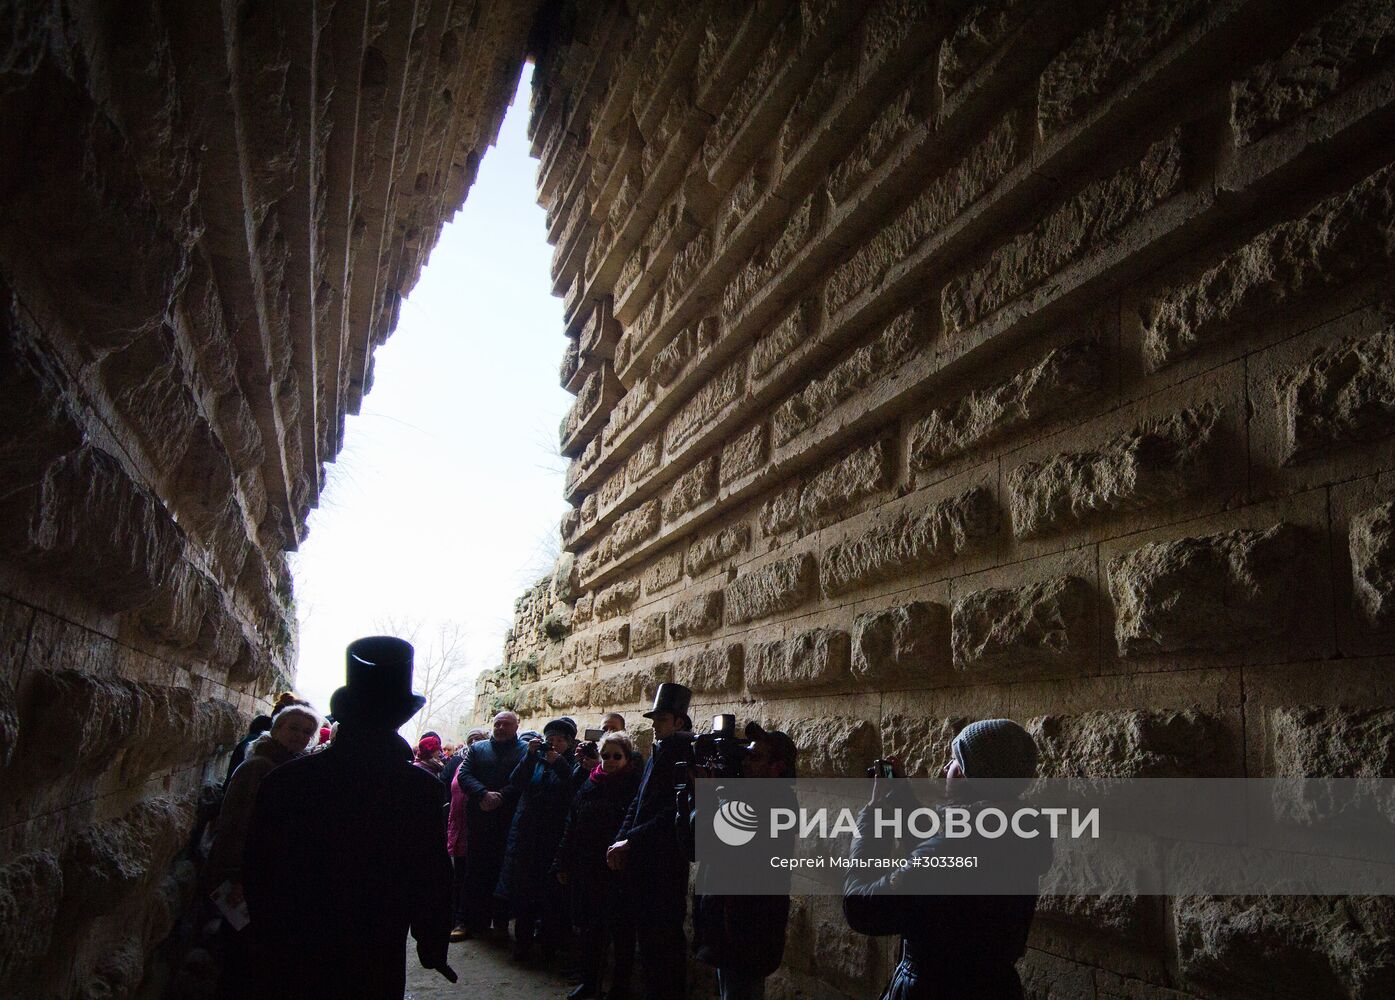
(670,698)
(379,672)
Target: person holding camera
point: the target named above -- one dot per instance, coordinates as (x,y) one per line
(743,937)
(542,784)
(647,850)
(592,822)
(954,943)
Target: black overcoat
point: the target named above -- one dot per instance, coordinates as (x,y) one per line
(592,822)
(543,792)
(657,867)
(346,853)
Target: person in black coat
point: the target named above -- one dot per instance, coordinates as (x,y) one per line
(357,830)
(484,775)
(543,784)
(596,813)
(647,851)
(954,945)
(260,724)
(743,937)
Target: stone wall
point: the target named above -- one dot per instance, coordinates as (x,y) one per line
(940,361)
(211,213)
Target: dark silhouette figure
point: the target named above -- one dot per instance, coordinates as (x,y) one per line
(346,851)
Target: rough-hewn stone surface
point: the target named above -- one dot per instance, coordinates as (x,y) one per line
(1214,593)
(905,643)
(1157,462)
(1371,543)
(811,659)
(769,589)
(783,232)
(1046,624)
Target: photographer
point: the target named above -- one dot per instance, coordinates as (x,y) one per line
(542,783)
(596,814)
(743,937)
(646,850)
(962,945)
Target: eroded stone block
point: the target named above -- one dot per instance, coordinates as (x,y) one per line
(1343,395)
(1332,741)
(813,659)
(664,571)
(613,643)
(75,717)
(921,741)
(692,489)
(1047,624)
(1062,377)
(904,643)
(616,599)
(31,888)
(777,586)
(634,527)
(647,632)
(744,454)
(830,746)
(710,549)
(701,615)
(1211,594)
(1371,542)
(712,670)
(859,475)
(1155,463)
(909,542)
(1145,743)
(631,686)
(781,511)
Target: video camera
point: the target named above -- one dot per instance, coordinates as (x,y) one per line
(715,754)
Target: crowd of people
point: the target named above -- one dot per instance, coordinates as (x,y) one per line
(334,842)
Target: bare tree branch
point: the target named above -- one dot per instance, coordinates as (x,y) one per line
(442,671)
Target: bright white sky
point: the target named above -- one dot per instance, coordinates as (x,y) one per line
(445,501)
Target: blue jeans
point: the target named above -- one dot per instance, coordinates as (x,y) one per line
(738,986)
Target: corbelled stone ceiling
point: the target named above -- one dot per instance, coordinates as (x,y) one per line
(932,361)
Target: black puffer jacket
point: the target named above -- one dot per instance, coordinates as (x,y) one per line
(592,822)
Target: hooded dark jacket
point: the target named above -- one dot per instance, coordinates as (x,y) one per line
(954,945)
(346,853)
(230,836)
(543,791)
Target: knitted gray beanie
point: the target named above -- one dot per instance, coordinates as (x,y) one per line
(996,748)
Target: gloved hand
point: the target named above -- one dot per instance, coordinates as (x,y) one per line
(435,958)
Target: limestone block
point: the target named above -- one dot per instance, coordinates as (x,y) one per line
(870,363)
(35,408)
(87,523)
(220,725)
(692,489)
(897,118)
(1337,741)
(908,542)
(590,506)
(616,599)
(146,382)
(909,642)
(647,632)
(775,587)
(564,577)
(930,212)
(177,614)
(715,395)
(1315,946)
(983,27)
(744,454)
(583,610)
(815,658)
(613,643)
(75,717)
(9,722)
(1078,225)
(1326,59)
(1338,240)
(644,461)
(31,887)
(1047,977)
(781,511)
(664,571)
(921,741)
(712,671)
(1343,395)
(701,615)
(830,746)
(634,527)
(1210,594)
(1159,461)
(787,336)
(168,725)
(1101,57)
(669,363)
(1371,541)
(568,693)
(171,898)
(1147,743)
(107,861)
(1045,624)
(717,546)
(571,363)
(858,475)
(627,409)
(1064,376)
(611,490)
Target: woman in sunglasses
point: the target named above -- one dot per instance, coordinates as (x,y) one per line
(592,823)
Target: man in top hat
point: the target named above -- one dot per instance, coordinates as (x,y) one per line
(647,851)
(355,833)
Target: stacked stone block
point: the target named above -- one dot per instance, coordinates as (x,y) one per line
(1026,359)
